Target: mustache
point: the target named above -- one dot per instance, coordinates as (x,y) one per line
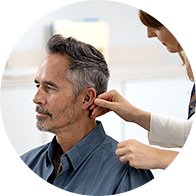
(39,109)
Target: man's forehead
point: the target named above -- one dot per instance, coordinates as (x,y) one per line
(54,65)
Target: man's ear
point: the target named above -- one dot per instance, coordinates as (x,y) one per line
(89,97)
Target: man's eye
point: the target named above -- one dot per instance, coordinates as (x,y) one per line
(49,88)
(37,85)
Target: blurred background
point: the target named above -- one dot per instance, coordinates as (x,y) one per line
(141,69)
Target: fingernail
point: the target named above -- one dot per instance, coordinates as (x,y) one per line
(98,101)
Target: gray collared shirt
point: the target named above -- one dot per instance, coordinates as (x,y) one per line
(89,168)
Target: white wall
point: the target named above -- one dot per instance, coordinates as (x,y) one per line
(127,38)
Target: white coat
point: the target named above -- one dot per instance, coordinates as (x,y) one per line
(168,131)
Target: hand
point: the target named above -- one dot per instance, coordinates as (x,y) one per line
(142,156)
(112,101)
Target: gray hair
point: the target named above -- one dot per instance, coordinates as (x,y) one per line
(87,68)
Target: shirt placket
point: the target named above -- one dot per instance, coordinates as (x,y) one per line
(63,173)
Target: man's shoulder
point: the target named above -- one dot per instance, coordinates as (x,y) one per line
(35,152)
(109,143)
(122,172)
(107,149)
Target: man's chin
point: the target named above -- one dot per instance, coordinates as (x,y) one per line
(44,128)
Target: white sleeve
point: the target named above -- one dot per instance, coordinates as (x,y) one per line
(168,131)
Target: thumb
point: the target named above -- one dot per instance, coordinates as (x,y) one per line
(104,104)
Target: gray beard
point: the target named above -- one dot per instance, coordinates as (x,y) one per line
(44,128)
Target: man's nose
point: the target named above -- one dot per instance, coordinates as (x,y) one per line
(150,32)
(39,97)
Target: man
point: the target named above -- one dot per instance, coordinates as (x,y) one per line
(81,157)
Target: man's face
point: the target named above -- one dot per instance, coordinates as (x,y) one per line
(56,106)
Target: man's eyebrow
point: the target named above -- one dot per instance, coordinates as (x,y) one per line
(50,83)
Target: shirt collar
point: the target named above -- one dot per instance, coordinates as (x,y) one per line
(87,145)
(81,151)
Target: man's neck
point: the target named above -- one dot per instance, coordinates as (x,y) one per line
(69,138)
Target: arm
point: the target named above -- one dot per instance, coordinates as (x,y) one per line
(113,101)
(168,131)
(163,130)
(142,156)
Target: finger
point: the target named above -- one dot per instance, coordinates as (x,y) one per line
(130,142)
(133,165)
(107,95)
(121,144)
(105,104)
(124,143)
(99,102)
(120,151)
(123,159)
(95,112)
(92,107)
(98,112)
